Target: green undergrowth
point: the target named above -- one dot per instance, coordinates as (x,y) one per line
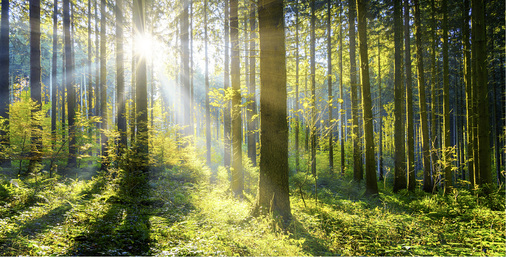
(179,211)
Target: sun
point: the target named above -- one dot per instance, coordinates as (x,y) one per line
(144,45)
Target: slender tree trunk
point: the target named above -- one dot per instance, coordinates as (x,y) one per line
(427,182)
(341,92)
(54,84)
(97,74)
(482,120)
(357,152)
(4,76)
(237,174)
(141,98)
(103,84)
(35,84)
(434,86)
(329,81)
(313,90)
(273,191)
(409,101)
(71,94)
(297,107)
(208,114)
(120,79)
(379,114)
(400,159)
(227,122)
(370,169)
(446,104)
(252,112)
(185,68)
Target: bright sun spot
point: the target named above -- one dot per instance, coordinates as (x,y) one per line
(144,45)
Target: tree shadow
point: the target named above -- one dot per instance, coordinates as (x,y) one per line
(32,228)
(312,245)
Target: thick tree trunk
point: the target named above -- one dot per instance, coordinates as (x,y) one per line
(370,169)
(482,120)
(273,191)
(237,173)
(4,75)
(141,91)
(400,159)
(35,84)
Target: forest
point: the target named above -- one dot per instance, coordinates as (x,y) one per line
(252,127)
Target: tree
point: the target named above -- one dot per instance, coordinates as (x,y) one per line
(370,167)
(35,84)
(103,83)
(252,109)
(141,91)
(446,103)
(329,82)
(4,71)
(341,92)
(120,79)
(313,90)
(273,191)
(237,174)
(427,182)
(54,70)
(226,84)
(185,67)
(208,114)
(400,165)
(409,101)
(69,80)
(357,152)
(480,71)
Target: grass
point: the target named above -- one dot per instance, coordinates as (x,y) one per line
(180,213)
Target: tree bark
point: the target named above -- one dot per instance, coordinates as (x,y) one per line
(208,114)
(237,173)
(252,109)
(35,84)
(357,151)
(370,164)
(227,122)
(447,153)
(330,93)
(103,84)
(273,191)
(427,182)
(120,79)
(400,159)
(4,74)
(409,102)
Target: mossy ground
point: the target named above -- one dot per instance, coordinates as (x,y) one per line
(179,212)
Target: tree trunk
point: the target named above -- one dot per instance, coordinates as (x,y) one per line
(427,182)
(400,159)
(237,174)
(103,84)
(446,104)
(4,75)
(208,114)
(381,178)
(409,102)
(313,121)
(252,110)
(341,92)
(185,68)
(227,139)
(120,79)
(329,81)
(141,91)
(357,152)
(54,70)
(482,120)
(370,169)
(273,191)
(35,84)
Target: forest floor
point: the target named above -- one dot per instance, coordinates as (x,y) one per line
(180,214)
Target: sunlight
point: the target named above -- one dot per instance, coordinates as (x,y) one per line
(144,45)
